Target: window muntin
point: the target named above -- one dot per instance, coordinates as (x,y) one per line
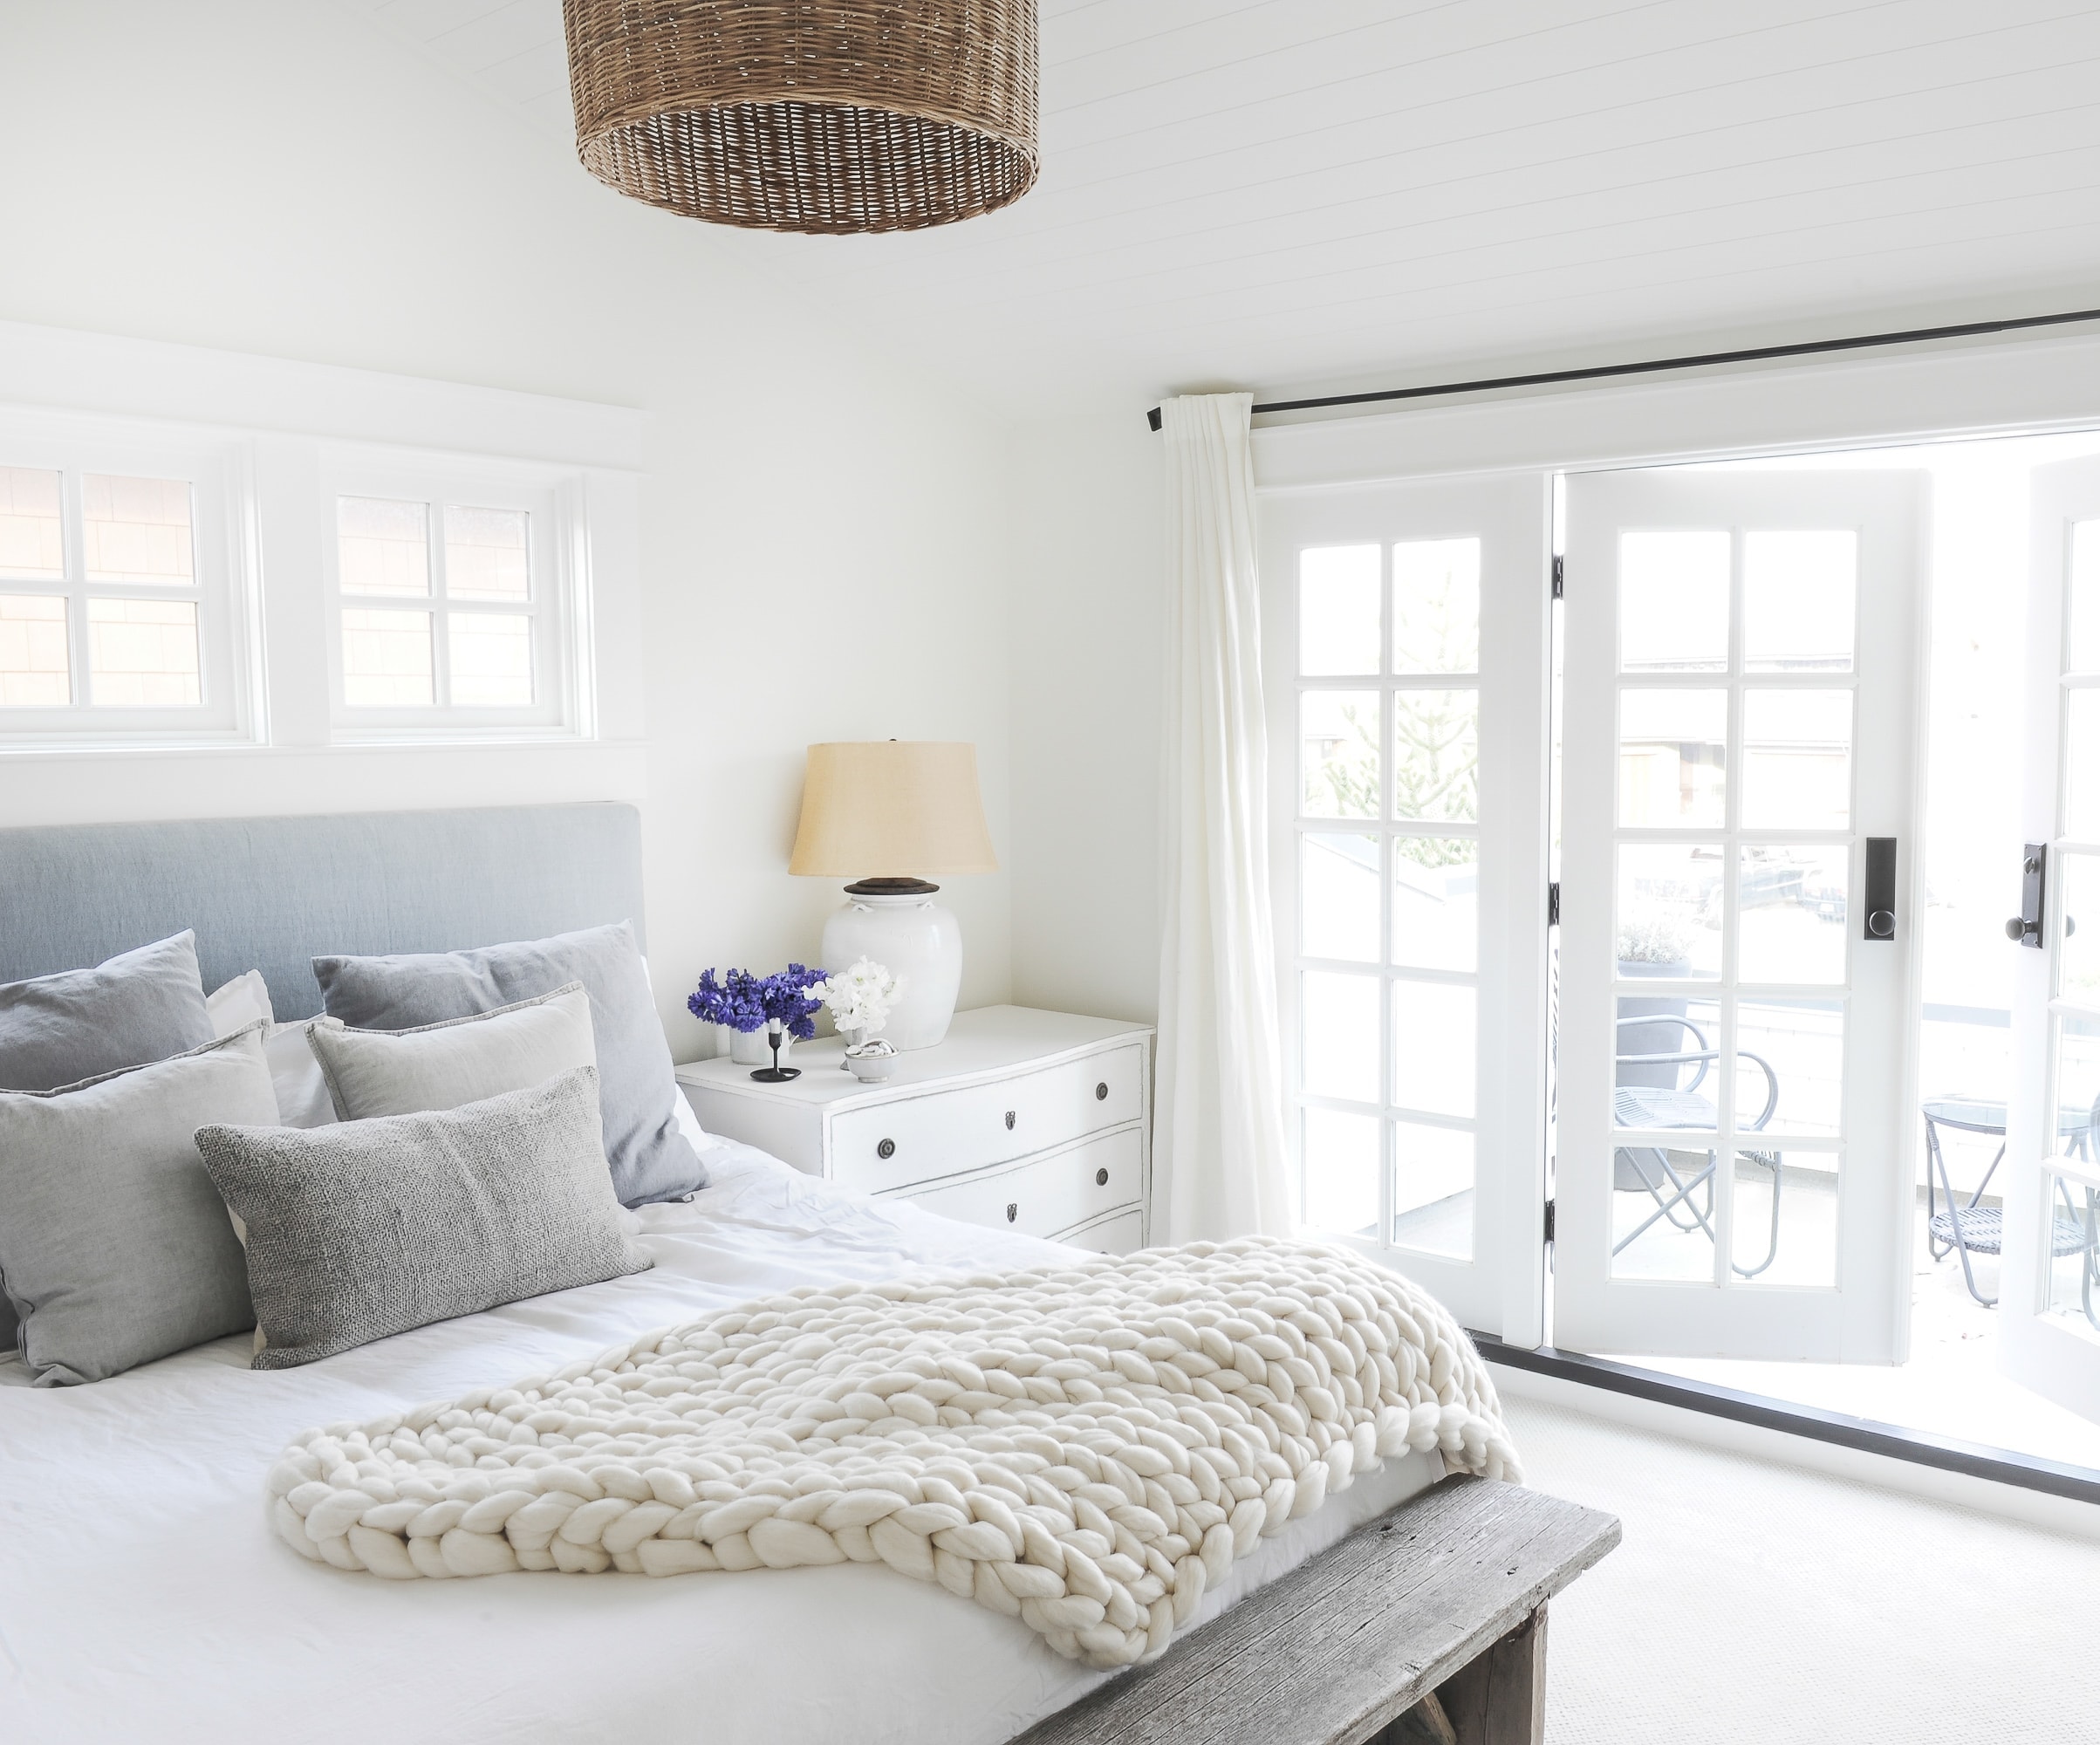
(1733,842)
(447,607)
(112,625)
(1388,892)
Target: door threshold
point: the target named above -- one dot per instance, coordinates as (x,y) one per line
(1893,1441)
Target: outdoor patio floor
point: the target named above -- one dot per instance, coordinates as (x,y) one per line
(1951,1386)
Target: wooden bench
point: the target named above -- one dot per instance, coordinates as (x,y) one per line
(1428,1623)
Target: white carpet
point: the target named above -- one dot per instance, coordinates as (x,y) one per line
(1755,1604)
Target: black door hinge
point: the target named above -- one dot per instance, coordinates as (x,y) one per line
(1548,1221)
(1559,575)
(1553,904)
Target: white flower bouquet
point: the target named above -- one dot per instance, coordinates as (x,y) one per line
(860,1001)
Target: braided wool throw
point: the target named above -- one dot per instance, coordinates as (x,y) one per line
(1087,1448)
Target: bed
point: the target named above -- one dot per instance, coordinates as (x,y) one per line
(142,1591)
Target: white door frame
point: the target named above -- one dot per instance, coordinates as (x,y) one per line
(1866,1318)
(1501,1290)
(1940,393)
(2054,1357)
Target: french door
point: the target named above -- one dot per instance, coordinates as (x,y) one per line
(1738,913)
(1405,641)
(2050,1295)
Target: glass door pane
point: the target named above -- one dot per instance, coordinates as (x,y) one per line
(1722,1125)
(2050,1295)
(1414,796)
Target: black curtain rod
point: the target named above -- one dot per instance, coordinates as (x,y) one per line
(1808,349)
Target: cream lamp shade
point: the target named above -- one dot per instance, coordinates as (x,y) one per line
(892,809)
(885,813)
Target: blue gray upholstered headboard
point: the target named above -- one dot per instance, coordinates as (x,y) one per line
(270,894)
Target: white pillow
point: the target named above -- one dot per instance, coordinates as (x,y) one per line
(688,1123)
(302,1098)
(681,1110)
(239,1004)
(294,1074)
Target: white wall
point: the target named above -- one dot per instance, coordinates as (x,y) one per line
(1088,630)
(823,522)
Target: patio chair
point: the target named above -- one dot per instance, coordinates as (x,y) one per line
(1653,1170)
(1975,1228)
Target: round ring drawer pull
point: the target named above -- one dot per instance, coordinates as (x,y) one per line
(1013,1208)
(1101,1092)
(1100,1178)
(1009,1120)
(887,1148)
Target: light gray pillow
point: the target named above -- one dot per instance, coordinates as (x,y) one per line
(371,1227)
(373,1074)
(648,1156)
(141,1005)
(114,1247)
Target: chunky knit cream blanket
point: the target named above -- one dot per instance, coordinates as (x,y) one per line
(1086,1448)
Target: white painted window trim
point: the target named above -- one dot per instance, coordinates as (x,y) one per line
(225,590)
(273,425)
(558,549)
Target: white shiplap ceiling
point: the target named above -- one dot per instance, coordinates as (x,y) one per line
(1284,193)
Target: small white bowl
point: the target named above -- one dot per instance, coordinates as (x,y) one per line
(872,1063)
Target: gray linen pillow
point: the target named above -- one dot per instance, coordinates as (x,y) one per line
(141,1005)
(58,1029)
(368,1229)
(648,1156)
(114,1247)
(373,1074)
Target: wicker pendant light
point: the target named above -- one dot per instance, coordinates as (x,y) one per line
(820,118)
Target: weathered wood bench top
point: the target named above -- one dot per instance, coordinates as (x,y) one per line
(1351,1640)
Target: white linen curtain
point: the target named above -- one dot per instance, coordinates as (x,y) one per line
(1220,1148)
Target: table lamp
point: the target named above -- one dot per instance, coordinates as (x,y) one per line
(886,813)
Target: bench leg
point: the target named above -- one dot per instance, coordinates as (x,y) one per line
(1501,1698)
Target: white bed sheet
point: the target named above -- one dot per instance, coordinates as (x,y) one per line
(143,1596)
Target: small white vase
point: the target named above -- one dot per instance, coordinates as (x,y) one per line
(748,1048)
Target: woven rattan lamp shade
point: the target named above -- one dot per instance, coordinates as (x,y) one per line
(807,117)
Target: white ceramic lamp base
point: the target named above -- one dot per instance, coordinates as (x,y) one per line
(917,941)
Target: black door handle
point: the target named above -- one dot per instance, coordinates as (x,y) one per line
(1881,887)
(2025,928)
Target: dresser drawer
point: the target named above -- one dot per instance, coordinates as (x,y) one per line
(1121,1235)
(1051,1193)
(944,1133)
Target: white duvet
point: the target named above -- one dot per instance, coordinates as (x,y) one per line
(143,1595)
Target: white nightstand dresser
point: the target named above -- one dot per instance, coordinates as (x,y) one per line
(1036,1121)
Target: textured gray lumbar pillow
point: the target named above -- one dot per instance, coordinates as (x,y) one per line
(114,1247)
(141,1005)
(373,1074)
(649,1157)
(368,1229)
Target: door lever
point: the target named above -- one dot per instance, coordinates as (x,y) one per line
(1881,887)
(2025,928)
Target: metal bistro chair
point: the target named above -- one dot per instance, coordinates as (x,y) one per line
(1649,1168)
(1978,1230)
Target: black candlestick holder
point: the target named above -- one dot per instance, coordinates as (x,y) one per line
(776,1074)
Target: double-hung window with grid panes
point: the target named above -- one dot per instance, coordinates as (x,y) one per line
(1388,889)
(446,610)
(115,616)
